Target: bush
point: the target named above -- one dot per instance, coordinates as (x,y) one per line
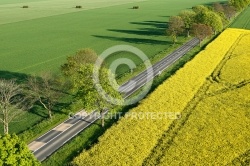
(25,6)
(135,7)
(15,152)
(78,7)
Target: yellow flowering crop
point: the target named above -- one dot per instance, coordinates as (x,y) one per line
(218,129)
(131,141)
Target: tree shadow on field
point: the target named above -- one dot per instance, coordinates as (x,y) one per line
(158,25)
(165,16)
(18,77)
(134,40)
(37,109)
(211,3)
(142,31)
(147,29)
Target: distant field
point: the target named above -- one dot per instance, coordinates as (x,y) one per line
(43,43)
(12,11)
(213,102)
(243,21)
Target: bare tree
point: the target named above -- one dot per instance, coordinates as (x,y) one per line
(44,89)
(13,102)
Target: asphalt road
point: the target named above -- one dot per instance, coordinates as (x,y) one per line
(129,87)
(54,139)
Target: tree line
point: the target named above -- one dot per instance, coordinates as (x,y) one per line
(203,21)
(47,89)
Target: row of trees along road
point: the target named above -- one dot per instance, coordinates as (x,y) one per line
(47,89)
(14,99)
(203,21)
(17,98)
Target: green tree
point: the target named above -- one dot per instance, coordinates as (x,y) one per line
(210,18)
(83,56)
(239,4)
(200,8)
(87,93)
(13,102)
(175,27)
(188,19)
(214,20)
(220,10)
(14,152)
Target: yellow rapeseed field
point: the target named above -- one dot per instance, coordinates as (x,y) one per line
(237,68)
(217,132)
(214,114)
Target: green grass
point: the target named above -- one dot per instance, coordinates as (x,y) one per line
(243,20)
(43,43)
(26,120)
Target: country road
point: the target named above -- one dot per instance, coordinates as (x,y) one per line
(54,139)
(48,143)
(129,87)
